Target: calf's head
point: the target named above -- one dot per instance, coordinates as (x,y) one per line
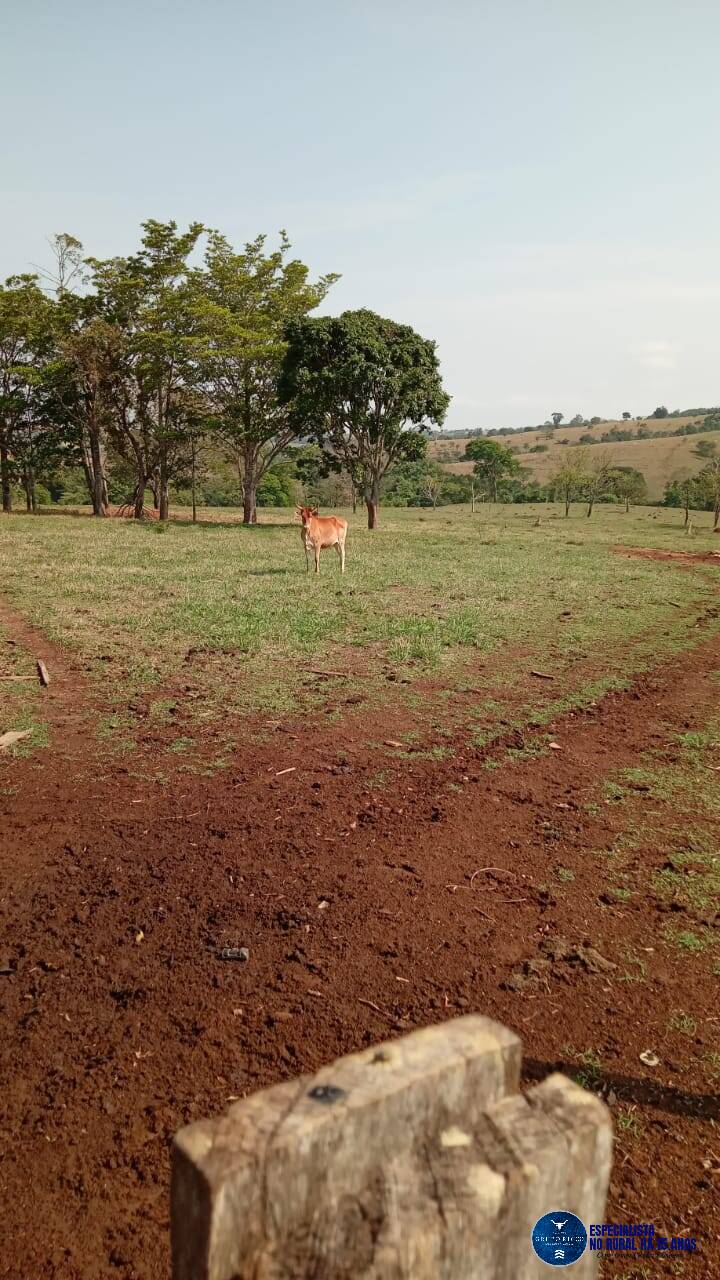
(306,513)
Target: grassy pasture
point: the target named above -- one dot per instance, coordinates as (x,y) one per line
(225,619)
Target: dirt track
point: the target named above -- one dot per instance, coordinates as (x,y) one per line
(362,917)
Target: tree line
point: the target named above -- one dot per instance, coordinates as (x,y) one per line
(590,475)
(132,367)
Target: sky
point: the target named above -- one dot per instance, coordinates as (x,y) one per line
(532,183)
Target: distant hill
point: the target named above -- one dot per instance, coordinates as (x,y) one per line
(660,460)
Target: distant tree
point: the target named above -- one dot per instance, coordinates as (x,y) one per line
(433,485)
(627,416)
(661,412)
(594,421)
(557,417)
(367,389)
(705,449)
(577,421)
(628,484)
(570,477)
(494,463)
(708,487)
(598,470)
(682,491)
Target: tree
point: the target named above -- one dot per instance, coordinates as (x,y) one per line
(557,418)
(661,412)
(88,390)
(27,437)
(708,486)
(577,421)
(147,297)
(628,484)
(682,491)
(493,463)
(243,305)
(570,476)
(597,467)
(366,388)
(626,416)
(705,449)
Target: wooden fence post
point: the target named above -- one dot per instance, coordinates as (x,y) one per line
(416,1159)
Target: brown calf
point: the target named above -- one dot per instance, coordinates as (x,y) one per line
(320,532)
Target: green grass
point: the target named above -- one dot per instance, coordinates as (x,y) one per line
(628,1122)
(219,619)
(687,940)
(684,1023)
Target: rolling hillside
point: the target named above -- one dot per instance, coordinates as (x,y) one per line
(659,460)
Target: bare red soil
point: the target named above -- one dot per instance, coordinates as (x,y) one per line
(367,910)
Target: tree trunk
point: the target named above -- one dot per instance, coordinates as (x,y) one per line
(139,498)
(96,475)
(567,505)
(162,497)
(5,479)
(687,512)
(716,526)
(192,485)
(29,487)
(354,499)
(627,506)
(372,502)
(249,491)
(591,504)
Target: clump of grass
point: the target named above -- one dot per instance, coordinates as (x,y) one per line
(686,939)
(682,1022)
(591,1074)
(565,873)
(628,1122)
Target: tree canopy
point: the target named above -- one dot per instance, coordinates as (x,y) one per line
(367,389)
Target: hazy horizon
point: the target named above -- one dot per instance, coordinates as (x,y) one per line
(530,185)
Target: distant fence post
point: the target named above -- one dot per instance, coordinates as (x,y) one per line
(416,1159)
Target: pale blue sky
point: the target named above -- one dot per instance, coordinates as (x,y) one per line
(535,185)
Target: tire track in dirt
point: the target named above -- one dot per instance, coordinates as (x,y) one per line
(122,1022)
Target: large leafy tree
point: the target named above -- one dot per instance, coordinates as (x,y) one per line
(494,463)
(147,299)
(26,347)
(243,303)
(367,389)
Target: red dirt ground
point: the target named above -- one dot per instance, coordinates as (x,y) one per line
(363,918)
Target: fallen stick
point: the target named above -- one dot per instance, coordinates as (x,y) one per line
(376,1007)
(13,678)
(43,673)
(542,675)
(314,671)
(292,769)
(504,870)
